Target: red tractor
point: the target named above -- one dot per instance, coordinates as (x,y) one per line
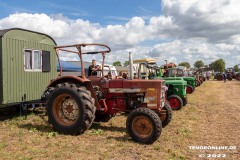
(73,102)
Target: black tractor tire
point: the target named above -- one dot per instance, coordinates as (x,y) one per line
(46,94)
(70,109)
(189,89)
(102,117)
(197,84)
(237,76)
(175,101)
(168,118)
(219,77)
(144,125)
(229,78)
(185,101)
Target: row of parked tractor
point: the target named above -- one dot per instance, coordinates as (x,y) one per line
(73,102)
(177,80)
(229,74)
(147,96)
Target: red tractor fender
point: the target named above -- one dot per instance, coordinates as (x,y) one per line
(76,80)
(63,79)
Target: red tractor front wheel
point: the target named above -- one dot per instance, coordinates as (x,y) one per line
(144,125)
(168,116)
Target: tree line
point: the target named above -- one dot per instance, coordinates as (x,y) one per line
(217,65)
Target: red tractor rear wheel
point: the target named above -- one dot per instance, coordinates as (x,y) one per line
(144,125)
(175,101)
(70,109)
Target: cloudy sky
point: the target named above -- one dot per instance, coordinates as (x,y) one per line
(173,30)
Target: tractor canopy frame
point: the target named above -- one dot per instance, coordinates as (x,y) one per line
(80,53)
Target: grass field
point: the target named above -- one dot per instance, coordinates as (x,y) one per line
(211,118)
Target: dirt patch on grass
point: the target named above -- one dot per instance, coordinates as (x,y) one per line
(211,118)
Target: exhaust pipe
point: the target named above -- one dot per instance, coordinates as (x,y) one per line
(130,65)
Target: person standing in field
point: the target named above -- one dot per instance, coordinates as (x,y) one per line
(224,77)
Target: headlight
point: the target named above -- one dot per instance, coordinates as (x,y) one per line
(163,94)
(162,104)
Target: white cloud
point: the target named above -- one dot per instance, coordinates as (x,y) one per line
(215,21)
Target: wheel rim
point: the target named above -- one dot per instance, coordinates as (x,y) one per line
(65,110)
(189,89)
(142,126)
(174,103)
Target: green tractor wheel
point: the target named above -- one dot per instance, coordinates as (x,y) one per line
(189,89)
(175,101)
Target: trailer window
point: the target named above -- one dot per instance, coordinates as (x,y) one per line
(37,60)
(28,60)
(32,60)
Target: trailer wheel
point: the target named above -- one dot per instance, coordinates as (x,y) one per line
(70,109)
(189,89)
(144,125)
(168,117)
(175,101)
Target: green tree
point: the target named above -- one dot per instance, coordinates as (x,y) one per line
(185,64)
(198,64)
(218,65)
(236,68)
(117,63)
(126,63)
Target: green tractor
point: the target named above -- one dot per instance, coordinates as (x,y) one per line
(177,72)
(176,93)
